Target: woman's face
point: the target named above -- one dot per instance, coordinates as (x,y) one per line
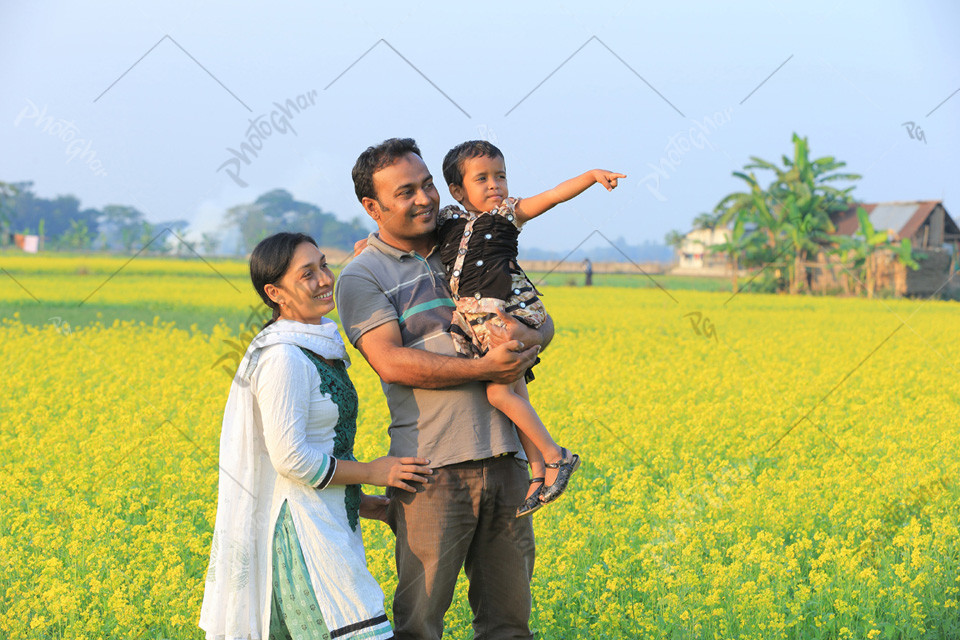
(305,292)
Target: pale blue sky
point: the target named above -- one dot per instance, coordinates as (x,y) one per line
(851,74)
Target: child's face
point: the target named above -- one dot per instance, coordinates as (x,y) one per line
(484,184)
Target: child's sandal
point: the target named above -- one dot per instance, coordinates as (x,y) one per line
(532,503)
(566,465)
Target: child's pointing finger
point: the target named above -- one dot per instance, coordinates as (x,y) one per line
(613,178)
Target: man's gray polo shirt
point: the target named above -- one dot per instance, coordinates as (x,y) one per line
(384,284)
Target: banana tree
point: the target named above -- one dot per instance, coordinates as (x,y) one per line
(747,246)
(906,256)
(863,250)
(793,212)
(735,246)
(806,202)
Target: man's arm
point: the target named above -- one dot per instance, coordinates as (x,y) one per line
(383,348)
(529,208)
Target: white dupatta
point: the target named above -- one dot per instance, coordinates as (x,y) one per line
(233,597)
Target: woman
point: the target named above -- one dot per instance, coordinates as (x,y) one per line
(287,558)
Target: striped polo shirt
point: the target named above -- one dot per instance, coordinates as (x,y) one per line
(454,424)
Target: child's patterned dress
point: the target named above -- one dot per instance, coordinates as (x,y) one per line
(479,253)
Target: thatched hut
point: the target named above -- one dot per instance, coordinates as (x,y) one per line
(931,231)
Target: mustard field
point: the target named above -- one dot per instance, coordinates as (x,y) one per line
(756,467)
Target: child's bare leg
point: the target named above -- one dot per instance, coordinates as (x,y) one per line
(520,386)
(513,401)
(535,458)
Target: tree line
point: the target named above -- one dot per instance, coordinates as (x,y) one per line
(65,225)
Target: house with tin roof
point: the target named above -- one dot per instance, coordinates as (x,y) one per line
(931,231)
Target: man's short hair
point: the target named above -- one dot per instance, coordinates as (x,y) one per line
(376,158)
(453,161)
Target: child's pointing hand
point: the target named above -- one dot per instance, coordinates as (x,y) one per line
(607,178)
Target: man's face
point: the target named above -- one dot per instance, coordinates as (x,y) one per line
(407,203)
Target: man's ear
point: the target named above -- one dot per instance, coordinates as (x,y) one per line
(372,207)
(456,191)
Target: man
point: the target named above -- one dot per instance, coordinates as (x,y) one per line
(395,307)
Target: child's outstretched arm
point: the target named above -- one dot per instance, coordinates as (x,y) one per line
(531,207)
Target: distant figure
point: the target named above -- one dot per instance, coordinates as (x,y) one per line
(588,271)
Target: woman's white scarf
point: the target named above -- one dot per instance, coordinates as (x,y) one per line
(233,596)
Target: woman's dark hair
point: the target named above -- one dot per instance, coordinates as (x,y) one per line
(453,161)
(375,158)
(270,260)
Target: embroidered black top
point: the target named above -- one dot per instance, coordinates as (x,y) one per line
(491,254)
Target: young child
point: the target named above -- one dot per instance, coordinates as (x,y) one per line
(478,246)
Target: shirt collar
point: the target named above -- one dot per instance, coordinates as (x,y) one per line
(373,240)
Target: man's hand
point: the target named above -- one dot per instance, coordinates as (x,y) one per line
(374,507)
(606,178)
(383,348)
(512,329)
(509,361)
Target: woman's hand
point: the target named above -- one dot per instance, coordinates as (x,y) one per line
(390,471)
(374,507)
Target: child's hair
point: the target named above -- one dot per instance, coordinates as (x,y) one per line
(453,161)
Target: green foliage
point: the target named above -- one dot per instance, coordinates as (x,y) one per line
(861,250)
(674,239)
(777,227)
(77,237)
(709,221)
(8,193)
(20,208)
(277,211)
(210,243)
(119,227)
(906,255)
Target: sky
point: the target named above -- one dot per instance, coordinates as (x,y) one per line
(140,103)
